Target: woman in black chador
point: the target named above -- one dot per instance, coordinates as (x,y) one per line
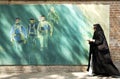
(100,54)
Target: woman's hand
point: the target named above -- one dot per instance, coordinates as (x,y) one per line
(91,40)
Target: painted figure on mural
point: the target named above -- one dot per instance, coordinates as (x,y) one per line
(53,16)
(44,31)
(18,33)
(99,57)
(32,33)
(53,19)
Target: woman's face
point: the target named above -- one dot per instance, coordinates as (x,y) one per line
(94,28)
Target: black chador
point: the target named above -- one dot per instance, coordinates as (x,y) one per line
(99,50)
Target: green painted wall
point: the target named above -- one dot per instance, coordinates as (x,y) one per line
(67,46)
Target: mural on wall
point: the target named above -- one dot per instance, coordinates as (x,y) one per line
(49,34)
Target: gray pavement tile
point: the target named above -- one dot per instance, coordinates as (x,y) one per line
(53,75)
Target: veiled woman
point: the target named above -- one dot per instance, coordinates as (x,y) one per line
(99,50)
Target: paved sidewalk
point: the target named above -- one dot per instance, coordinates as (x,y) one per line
(53,75)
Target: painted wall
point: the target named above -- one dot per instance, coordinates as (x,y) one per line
(68,44)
